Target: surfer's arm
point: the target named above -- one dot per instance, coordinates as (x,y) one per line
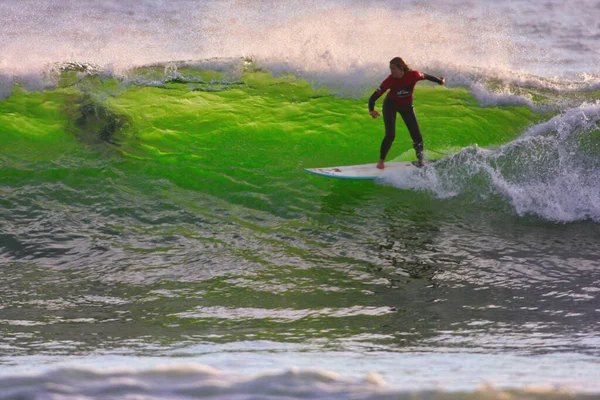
(435,79)
(373,99)
(385,85)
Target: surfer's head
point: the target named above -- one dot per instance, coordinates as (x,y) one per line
(398,67)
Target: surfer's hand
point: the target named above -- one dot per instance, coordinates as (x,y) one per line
(443,80)
(374,114)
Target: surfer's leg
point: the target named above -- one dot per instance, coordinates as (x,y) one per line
(410,119)
(389,120)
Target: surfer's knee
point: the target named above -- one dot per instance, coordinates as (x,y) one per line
(390,135)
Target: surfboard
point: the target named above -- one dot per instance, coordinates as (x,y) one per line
(362,171)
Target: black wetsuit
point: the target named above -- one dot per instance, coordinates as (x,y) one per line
(399,100)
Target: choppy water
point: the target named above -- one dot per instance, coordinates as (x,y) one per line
(159,237)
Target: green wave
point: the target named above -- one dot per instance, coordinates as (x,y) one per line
(257,125)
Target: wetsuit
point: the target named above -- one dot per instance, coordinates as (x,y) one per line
(399,100)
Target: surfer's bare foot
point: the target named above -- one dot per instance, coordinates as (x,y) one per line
(380,164)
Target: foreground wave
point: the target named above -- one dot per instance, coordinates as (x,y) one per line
(194,381)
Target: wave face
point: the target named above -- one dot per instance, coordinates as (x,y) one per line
(154,207)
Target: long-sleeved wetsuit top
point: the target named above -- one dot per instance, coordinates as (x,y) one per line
(401,90)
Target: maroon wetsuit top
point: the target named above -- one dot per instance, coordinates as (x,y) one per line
(401,90)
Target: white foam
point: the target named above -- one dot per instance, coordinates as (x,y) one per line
(501,97)
(547,172)
(582,118)
(198,381)
(189,381)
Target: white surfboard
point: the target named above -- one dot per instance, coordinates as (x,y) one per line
(363,171)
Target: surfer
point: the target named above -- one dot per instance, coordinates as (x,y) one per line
(401,84)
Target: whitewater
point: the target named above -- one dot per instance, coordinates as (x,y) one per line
(160,239)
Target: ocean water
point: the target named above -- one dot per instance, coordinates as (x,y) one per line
(159,238)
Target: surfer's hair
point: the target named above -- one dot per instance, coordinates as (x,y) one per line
(399,62)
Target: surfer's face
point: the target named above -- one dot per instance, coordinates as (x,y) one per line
(396,72)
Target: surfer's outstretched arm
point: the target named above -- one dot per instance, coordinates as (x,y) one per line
(435,79)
